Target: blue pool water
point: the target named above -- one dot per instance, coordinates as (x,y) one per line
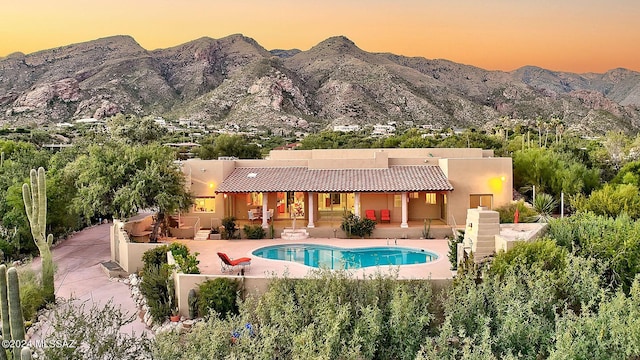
(330,257)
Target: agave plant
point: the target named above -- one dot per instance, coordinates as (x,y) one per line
(544,205)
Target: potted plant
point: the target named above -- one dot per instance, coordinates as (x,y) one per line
(175,315)
(215,234)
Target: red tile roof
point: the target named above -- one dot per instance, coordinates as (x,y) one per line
(392,179)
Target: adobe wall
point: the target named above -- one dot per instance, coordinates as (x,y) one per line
(476,176)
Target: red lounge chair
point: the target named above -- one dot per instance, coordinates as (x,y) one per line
(385,215)
(370,214)
(226,264)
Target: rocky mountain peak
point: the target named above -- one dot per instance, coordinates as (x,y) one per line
(336,44)
(235,80)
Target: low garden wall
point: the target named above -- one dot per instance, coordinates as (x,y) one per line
(126,253)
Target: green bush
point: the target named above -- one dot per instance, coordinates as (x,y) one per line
(188,264)
(329,315)
(157,257)
(230,229)
(611,200)
(218,295)
(88,330)
(544,253)
(31,294)
(613,242)
(254,231)
(507,212)
(178,249)
(154,257)
(357,226)
(155,288)
(8,251)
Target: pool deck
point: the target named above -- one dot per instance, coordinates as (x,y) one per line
(260,267)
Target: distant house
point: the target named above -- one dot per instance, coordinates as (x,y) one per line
(346,128)
(290,146)
(413,184)
(89,121)
(383,130)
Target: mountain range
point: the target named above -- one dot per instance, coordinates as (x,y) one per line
(235,80)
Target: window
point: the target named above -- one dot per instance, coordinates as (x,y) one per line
(430,198)
(205,204)
(254,199)
(414,195)
(485,200)
(397,201)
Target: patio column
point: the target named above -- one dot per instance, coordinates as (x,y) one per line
(265,211)
(356,205)
(405,210)
(311,209)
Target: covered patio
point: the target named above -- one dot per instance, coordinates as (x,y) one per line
(398,198)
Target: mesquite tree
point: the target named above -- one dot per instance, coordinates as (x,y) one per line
(35,203)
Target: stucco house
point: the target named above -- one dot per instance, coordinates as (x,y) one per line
(317,186)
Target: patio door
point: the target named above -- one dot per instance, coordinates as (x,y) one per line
(290,201)
(333,205)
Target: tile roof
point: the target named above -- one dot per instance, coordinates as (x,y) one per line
(392,179)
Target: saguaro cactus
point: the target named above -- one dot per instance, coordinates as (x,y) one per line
(35,203)
(11,311)
(4,302)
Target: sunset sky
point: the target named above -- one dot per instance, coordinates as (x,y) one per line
(568,35)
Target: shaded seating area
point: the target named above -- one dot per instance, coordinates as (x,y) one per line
(227,264)
(254,215)
(370,214)
(385,215)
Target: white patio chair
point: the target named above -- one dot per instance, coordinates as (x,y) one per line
(252,216)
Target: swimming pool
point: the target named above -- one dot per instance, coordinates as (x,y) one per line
(331,257)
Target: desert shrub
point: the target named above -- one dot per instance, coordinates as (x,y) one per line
(230,228)
(155,257)
(598,334)
(613,242)
(544,253)
(517,312)
(7,250)
(355,225)
(31,294)
(329,315)
(154,287)
(507,212)
(218,295)
(254,231)
(543,205)
(179,249)
(187,264)
(611,200)
(92,331)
